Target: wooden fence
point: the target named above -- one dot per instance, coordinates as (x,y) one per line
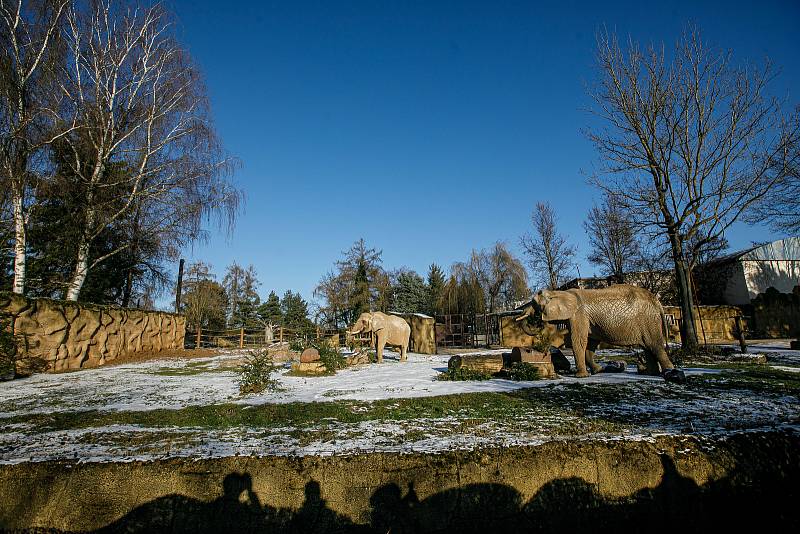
(244,338)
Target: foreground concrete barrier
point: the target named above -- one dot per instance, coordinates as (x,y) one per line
(677,484)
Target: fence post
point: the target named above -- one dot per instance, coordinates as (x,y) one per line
(280,334)
(197,344)
(317,332)
(241,338)
(740,334)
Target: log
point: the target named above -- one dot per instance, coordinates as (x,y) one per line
(484,363)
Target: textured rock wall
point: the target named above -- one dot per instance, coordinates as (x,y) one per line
(67,335)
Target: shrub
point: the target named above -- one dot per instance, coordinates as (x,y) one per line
(463,374)
(523,371)
(297,345)
(255,374)
(331,358)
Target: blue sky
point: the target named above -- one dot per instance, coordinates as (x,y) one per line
(427,128)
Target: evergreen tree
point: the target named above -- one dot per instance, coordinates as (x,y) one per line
(295,312)
(410,293)
(436,283)
(243,300)
(270,312)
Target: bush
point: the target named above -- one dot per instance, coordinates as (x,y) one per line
(297,345)
(523,371)
(331,358)
(255,374)
(463,374)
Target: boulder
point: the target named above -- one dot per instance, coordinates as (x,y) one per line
(281,356)
(309,367)
(358,358)
(560,362)
(309,355)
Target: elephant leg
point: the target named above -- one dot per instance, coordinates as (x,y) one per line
(658,354)
(594,368)
(403,352)
(579,335)
(379,349)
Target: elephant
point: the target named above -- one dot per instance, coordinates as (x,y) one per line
(621,315)
(388,329)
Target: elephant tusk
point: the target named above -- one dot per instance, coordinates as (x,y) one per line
(524,316)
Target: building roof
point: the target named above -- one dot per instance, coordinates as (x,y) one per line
(782,249)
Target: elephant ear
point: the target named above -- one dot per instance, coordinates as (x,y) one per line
(376,322)
(560,306)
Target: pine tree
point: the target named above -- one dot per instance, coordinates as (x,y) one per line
(436,284)
(410,293)
(243,300)
(295,312)
(270,311)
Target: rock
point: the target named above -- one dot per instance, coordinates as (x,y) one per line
(617,366)
(560,362)
(309,367)
(795,345)
(358,358)
(675,375)
(281,356)
(309,355)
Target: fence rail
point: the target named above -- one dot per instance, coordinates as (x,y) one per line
(263,337)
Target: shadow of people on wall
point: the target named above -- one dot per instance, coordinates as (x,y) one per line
(315,515)
(756,493)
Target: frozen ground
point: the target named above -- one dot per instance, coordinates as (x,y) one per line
(112,413)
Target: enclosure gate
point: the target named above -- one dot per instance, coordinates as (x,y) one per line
(467,330)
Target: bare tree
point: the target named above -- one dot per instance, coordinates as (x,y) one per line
(144,139)
(28,102)
(501,275)
(549,255)
(687,144)
(780,207)
(612,238)
(204,301)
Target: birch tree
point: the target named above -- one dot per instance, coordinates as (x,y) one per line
(688,141)
(144,141)
(28,107)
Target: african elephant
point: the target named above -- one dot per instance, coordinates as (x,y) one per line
(388,329)
(622,315)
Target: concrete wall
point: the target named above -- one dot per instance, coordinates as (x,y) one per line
(719,322)
(760,275)
(58,335)
(741,483)
(423,336)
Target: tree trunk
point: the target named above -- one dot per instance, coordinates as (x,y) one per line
(682,278)
(81,270)
(20,243)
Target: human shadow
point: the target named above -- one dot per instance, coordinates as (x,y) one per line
(758,492)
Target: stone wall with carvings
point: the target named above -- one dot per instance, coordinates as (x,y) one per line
(56,335)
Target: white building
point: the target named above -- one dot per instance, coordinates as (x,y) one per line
(737,278)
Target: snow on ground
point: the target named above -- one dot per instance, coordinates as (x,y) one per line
(644,407)
(178,383)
